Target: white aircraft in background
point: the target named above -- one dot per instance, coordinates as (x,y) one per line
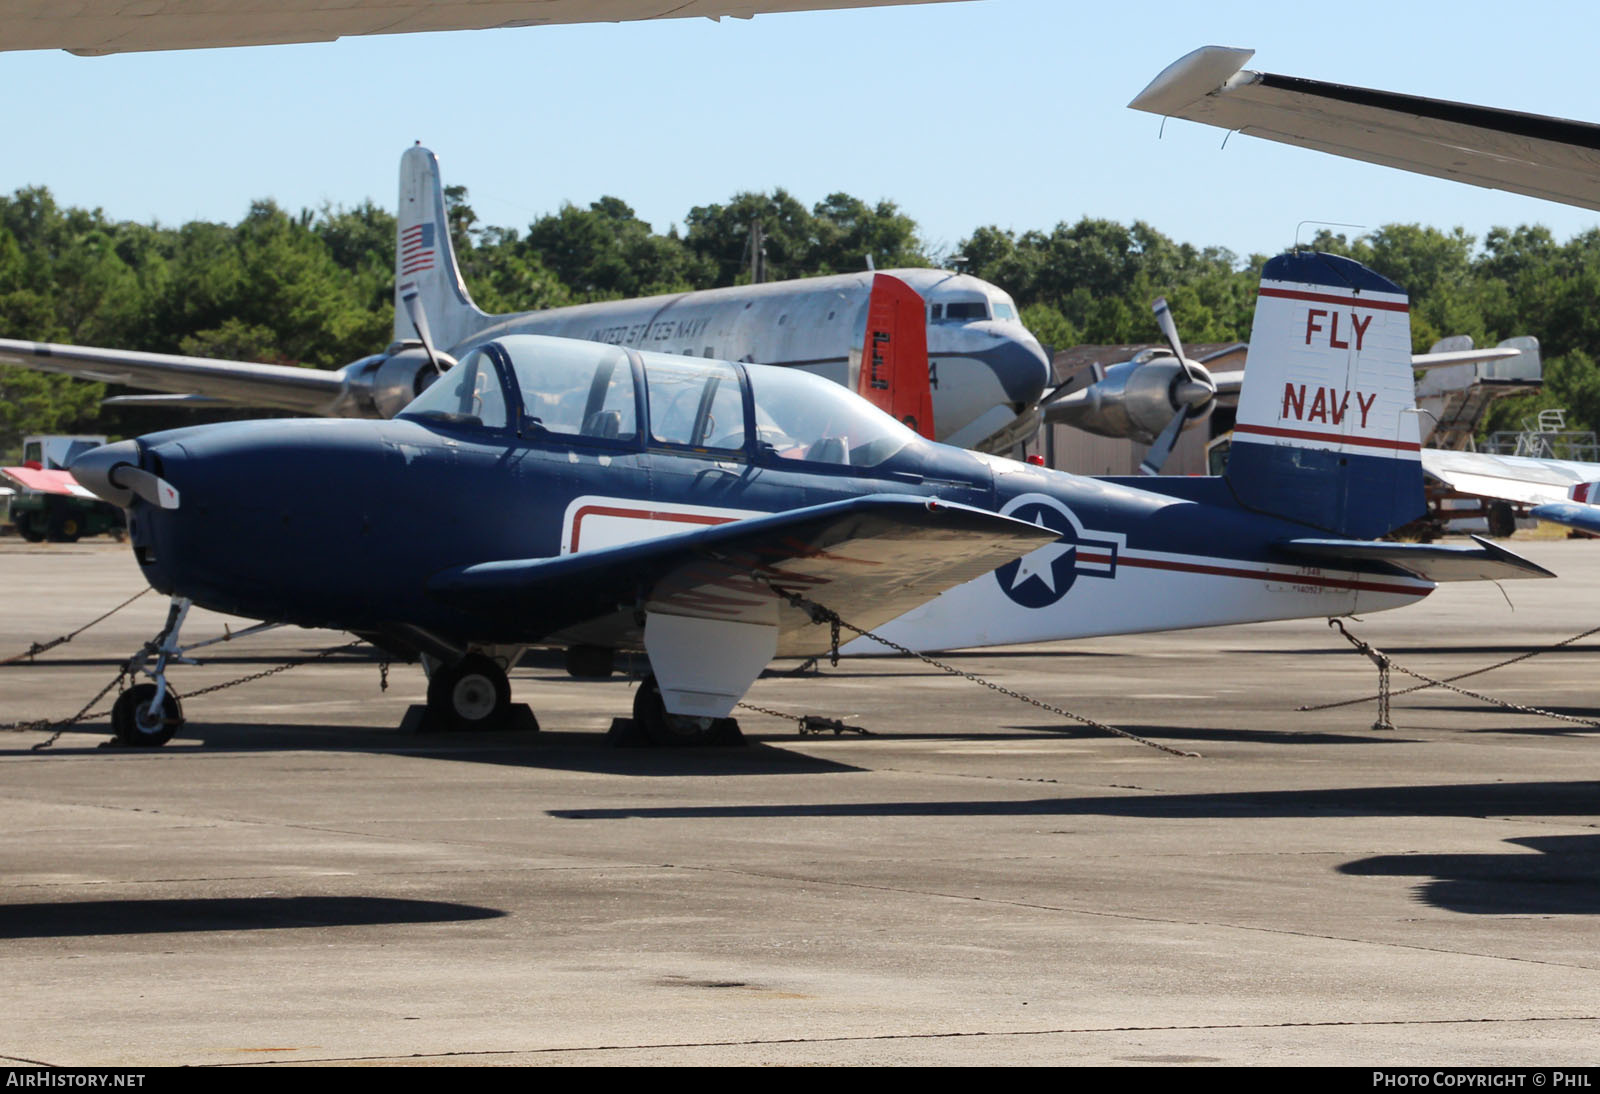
(945,351)
(1557,159)
(103,26)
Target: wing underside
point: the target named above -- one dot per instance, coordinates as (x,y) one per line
(1543,157)
(869,559)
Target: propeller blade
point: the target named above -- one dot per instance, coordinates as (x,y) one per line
(1169,329)
(1162,448)
(411,298)
(152,488)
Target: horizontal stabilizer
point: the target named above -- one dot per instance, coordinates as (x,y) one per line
(871,559)
(1433,561)
(1572,514)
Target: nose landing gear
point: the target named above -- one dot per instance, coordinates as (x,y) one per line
(147,715)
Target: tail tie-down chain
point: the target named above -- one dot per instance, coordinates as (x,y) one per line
(1385,663)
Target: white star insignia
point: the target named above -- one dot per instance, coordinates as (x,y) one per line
(1040,565)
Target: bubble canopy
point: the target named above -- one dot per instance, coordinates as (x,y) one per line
(587,392)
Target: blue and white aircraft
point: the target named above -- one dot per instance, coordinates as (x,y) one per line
(603,498)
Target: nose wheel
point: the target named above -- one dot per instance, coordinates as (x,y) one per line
(471,694)
(142,718)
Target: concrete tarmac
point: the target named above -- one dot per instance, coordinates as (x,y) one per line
(294,880)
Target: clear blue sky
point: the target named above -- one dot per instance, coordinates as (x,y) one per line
(1008,112)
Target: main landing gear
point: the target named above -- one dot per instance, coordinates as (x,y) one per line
(473,693)
(650,717)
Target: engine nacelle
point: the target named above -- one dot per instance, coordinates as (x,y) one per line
(380,386)
(1136,400)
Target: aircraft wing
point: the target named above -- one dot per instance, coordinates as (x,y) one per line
(114,26)
(1542,157)
(1521,479)
(1431,561)
(189,379)
(870,559)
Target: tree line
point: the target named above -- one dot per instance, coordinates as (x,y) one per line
(316,288)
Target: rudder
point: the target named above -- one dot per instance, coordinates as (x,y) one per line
(1326,433)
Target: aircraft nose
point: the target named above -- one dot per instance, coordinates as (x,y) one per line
(112,473)
(96,468)
(1023,369)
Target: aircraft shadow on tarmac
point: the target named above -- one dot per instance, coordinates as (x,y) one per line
(115,917)
(1563,879)
(548,750)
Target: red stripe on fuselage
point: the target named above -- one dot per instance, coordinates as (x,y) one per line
(1270,575)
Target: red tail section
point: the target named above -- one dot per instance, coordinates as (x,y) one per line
(894,355)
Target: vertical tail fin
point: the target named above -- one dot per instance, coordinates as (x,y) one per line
(1326,432)
(424,257)
(894,354)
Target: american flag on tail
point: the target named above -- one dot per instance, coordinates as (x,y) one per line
(416,249)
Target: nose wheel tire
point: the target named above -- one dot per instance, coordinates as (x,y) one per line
(471,694)
(135,723)
(677,730)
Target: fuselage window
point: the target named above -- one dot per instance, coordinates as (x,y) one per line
(1003,310)
(469,394)
(698,405)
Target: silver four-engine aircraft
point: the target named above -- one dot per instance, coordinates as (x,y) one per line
(901,336)
(710,514)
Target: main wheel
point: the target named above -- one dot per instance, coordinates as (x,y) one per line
(471,694)
(27,529)
(676,730)
(1502,521)
(135,723)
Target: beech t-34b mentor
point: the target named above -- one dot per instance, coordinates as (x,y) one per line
(945,350)
(602,498)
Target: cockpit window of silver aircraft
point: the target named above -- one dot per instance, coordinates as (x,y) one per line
(800,416)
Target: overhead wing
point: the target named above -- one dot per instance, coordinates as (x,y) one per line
(870,559)
(192,379)
(1521,479)
(1435,562)
(103,26)
(1542,157)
